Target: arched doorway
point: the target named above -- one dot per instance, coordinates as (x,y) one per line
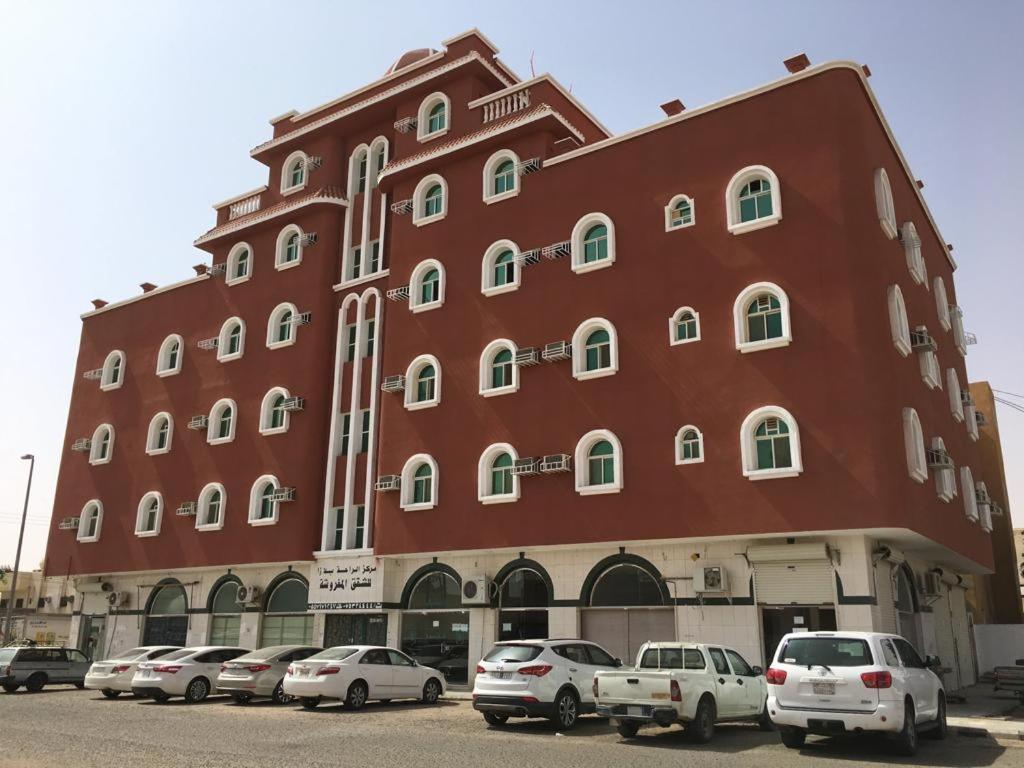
(523,601)
(166,616)
(286,618)
(435,628)
(225,614)
(906,607)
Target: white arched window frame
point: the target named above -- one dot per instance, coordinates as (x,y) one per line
(218,413)
(101,448)
(267,413)
(898,323)
(281,250)
(113,371)
(358,170)
(579,239)
(913,443)
(256,498)
(581,461)
(942,303)
(294,173)
(490,352)
(489,267)
(677,320)
(423,129)
(579,349)
(379,152)
(416,303)
(912,249)
(681,457)
(945,479)
(224,340)
(168,359)
(90,521)
(511,183)
(205,508)
(883,204)
(420,216)
(237,269)
(748,446)
(928,361)
(971,421)
(956,403)
(984,508)
(679,219)
(149,516)
(412,374)
(732,199)
(409,479)
(970,500)
(485,468)
(739,312)
(276,323)
(959,336)
(156,425)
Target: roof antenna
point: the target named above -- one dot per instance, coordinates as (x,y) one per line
(533,73)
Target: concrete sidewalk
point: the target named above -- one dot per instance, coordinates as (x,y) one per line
(999,714)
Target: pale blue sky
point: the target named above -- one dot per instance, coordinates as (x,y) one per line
(126,121)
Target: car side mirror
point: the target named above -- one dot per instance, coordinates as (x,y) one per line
(617,663)
(758,671)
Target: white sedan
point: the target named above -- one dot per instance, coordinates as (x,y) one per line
(190,672)
(357,673)
(112,677)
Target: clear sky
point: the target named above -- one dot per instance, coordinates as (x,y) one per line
(125,121)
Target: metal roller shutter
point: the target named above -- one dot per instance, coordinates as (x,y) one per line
(885,598)
(801,582)
(961,635)
(621,631)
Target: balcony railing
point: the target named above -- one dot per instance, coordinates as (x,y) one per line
(506,105)
(244,207)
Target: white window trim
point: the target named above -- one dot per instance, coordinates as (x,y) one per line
(732,202)
(984,510)
(353,170)
(159,514)
(959,337)
(371,169)
(488,176)
(739,314)
(884,206)
(579,231)
(913,443)
(942,303)
(487,286)
(483,475)
(971,421)
(581,461)
(272,323)
(265,414)
(214,417)
(82,539)
(423,116)
(224,335)
(928,362)
(970,501)
(579,356)
(411,373)
(915,261)
(161,356)
(486,356)
(748,451)
(254,501)
(151,434)
(95,443)
(232,261)
(671,207)
(679,445)
(899,325)
(408,478)
(673,321)
(416,285)
(945,479)
(106,385)
(956,404)
(419,198)
(279,249)
(286,187)
(203,501)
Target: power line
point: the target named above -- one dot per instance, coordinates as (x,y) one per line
(1009,404)
(1012,394)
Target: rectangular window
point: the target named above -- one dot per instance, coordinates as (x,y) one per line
(357,260)
(339,532)
(364,439)
(360,527)
(346,430)
(374,257)
(350,352)
(371,333)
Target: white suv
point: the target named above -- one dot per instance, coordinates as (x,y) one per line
(539,678)
(853,682)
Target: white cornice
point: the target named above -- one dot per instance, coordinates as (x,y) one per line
(271,213)
(141,296)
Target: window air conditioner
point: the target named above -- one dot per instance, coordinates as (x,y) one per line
(710,578)
(557,350)
(524,467)
(476,591)
(393,384)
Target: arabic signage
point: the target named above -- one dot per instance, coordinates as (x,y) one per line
(345,584)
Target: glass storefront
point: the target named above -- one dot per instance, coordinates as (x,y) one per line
(226,621)
(286,621)
(435,629)
(522,606)
(355,629)
(167,617)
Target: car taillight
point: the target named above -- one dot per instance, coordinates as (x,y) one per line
(328,671)
(223,667)
(258,667)
(677,695)
(480,669)
(291,670)
(876,679)
(170,669)
(775,676)
(537,670)
(122,668)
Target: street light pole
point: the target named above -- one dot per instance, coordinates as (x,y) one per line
(17,558)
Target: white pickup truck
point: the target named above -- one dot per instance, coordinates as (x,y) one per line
(690,683)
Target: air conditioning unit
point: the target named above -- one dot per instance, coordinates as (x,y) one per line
(303,318)
(938,459)
(476,591)
(293,404)
(248,594)
(82,444)
(710,578)
(283,494)
(188,509)
(68,524)
(527,356)
(308,239)
(393,384)
(557,350)
(218,269)
(388,483)
(980,419)
(929,584)
(93,375)
(117,599)
(556,462)
(199,422)
(524,467)
(921,340)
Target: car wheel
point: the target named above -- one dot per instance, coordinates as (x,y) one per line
(793,738)
(242,698)
(279,696)
(110,694)
(35,682)
(310,702)
(567,710)
(431,691)
(764,722)
(161,697)
(628,729)
(357,695)
(197,690)
(80,686)
(10,687)
(495,719)
(702,728)
(940,728)
(906,741)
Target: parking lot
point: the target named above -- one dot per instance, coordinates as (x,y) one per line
(64,726)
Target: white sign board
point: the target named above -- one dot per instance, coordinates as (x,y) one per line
(346,583)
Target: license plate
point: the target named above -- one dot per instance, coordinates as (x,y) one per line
(502,675)
(634,711)
(144,672)
(824,689)
(303,671)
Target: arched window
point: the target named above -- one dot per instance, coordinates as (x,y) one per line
(984,504)
(435,591)
(689,445)
(770,444)
(956,403)
(226,615)
(168,361)
(753,199)
(274,419)
(419,483)
(362,161)
(426,286)
(166,616)
(378,158)
(680,213)
(148,518)
(213,500)
(912,248)
(898,322)
(289,247)
(287,620)
(282,326)
(495,482)
(595,349)
(101,448)
(913,442)
(220,427)
(499,375)
(626,585)
(501,181)
(593,243)
(231,340)
(598,463)
(942,303)
(113,371)
(884,205)
(263,506)
(430,200)
(90,521)
(239,264)
(945,479)
(761,318)
(432,117)
(500,272)
(161,430)
(423,383)
(293,173)
(684,326)
(970,500)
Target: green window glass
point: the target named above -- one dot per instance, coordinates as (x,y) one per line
(284,326)
(92,517)
(380,159)
(682,214)
(436,121)
(433,203)
(163,429)
(346,428)
(115,370)
(771,441)
(266,510)
(151,514)
(339,528)
(297,174)
(291,248)
(686,326)
(172,356)
(690,445)
(277,412)
(501,369)
(213,505)
(104,445)
(598,348)
(426,382)
(371,335)
(374,257)
(357,262)
(286,621)
(225,621)
(169,600)
(422,485)
(235,339)
(764,318)
(755,200)
(362,172)
(505,177)
(364,436)
(595,244)
(242,264)
(360,541)
(504,269)
(430,288)
(224,421)
(601,464)
(350,351)
(501,475)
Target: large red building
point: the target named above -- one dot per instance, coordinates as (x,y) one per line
(470,367)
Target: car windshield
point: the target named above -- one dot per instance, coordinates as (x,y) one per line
(826,651)
(7,654)
(131,655)
(332,654)
(175,655)
(513,653)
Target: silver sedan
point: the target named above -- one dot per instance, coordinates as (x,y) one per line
(261,672)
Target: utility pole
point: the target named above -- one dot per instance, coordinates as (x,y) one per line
(17,558)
